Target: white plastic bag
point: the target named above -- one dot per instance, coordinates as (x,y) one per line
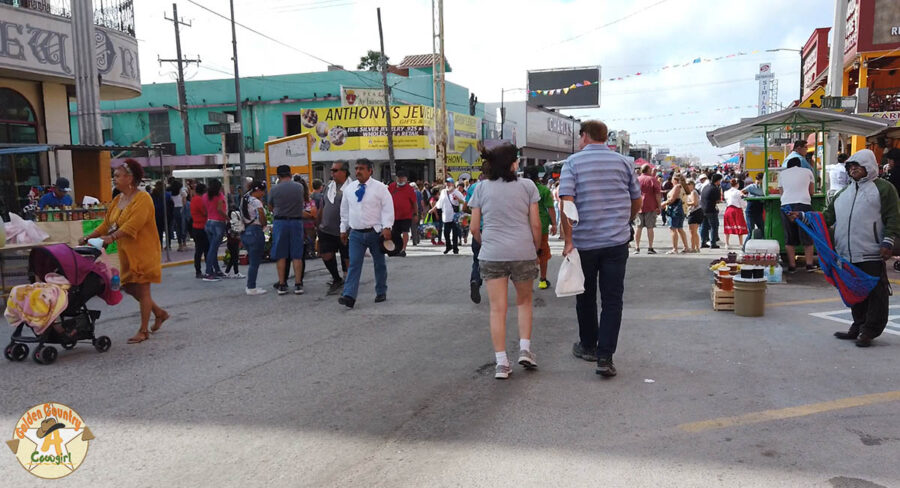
(570,280)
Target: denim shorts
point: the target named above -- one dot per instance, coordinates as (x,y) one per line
(287,239)
(516,271)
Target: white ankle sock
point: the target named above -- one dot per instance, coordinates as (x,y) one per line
(501,358)
(524,344)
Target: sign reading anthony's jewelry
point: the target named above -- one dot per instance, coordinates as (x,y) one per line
(42,44)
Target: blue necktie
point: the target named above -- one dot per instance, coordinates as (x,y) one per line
(360,192)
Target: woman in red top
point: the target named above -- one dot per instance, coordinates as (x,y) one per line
(216,217)
(198,228)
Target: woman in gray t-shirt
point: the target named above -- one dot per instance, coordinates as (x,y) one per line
(510,237)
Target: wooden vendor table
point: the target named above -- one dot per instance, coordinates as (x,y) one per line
(69,232)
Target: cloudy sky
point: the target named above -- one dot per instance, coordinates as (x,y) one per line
(492,43)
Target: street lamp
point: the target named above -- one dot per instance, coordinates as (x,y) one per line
(503,108)
(800,52)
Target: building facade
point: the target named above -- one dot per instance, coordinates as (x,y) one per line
(544,135)
(342,110)
(871,63)
(37,81)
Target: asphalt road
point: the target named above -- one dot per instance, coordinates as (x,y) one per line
(298,391)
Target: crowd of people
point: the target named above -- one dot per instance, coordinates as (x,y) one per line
(511,214)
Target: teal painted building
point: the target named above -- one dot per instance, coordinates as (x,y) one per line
(271,107)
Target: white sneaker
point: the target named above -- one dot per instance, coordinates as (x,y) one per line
(238,276)
(256,291)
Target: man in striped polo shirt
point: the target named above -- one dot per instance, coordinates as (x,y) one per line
(606,193)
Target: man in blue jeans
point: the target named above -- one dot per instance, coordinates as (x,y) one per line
(602,185)
(367,215)
(286,201)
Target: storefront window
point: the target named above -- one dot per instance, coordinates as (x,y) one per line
(18,172)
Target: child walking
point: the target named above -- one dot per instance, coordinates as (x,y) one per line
(233,242)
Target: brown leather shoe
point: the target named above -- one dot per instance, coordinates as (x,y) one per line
(864,341)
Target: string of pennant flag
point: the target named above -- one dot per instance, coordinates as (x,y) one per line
(674,129)
(690,112)
(698,60)
(563,90)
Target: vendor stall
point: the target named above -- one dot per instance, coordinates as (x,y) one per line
(796,123)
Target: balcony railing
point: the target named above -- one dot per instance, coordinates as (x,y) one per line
(112,14)
(884,99)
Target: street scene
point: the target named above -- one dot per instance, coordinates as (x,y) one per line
(236,256)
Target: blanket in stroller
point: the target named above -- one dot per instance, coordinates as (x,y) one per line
(38,304)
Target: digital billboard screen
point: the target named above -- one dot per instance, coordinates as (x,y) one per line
(554,88)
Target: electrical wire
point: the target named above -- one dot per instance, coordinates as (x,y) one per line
(620,19)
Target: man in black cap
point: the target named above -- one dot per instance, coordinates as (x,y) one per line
(58,196)
(286,201)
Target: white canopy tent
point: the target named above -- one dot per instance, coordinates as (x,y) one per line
(802,119)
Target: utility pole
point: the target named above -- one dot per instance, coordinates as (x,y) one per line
(180,61)
(87,82)
(835,75)
(440,103)
(387,100)
(237,99)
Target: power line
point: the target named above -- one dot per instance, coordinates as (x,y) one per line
(605,25)
(265,36)
(300,8)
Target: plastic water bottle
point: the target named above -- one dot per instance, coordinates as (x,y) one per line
(115,282)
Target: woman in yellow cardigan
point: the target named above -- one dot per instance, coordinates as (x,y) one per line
(131,222)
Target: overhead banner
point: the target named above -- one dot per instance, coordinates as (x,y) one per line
(358,97)
(364,128)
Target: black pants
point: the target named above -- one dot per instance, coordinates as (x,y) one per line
(870,316)
(755,220)
(603,268)
(234,252)
(451,228)
(476,267)
(201,245)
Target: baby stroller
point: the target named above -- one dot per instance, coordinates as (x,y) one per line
(88,278)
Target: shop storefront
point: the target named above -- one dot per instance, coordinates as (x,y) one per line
(543,135)
(18,172)
(37,74)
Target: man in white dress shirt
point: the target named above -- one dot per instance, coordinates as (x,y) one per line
(367,214)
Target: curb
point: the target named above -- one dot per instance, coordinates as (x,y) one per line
(172,264)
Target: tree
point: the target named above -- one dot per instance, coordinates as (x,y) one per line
(370,61)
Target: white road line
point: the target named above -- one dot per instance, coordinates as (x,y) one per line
(893,325)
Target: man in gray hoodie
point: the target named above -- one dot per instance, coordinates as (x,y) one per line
(866,222)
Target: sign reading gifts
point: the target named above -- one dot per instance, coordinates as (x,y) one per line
(361,128)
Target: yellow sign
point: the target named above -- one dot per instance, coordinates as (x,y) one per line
(293,151)
(50,440)
(889,117)
(365,128)
(814,99)
(459,169)
(462,131)
(361,128)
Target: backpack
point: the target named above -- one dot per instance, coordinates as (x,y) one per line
(237,221)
